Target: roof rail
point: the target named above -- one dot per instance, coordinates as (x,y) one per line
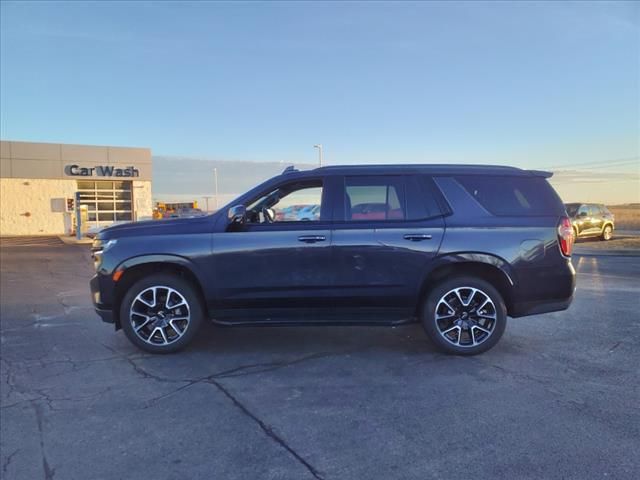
(289,169)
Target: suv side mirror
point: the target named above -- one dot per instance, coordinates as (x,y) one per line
(582,214)
(237,214)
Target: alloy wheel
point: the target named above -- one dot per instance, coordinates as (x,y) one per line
(159,315)
(607,233)
(465,317)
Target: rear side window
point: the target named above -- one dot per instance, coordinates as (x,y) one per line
(512,196)
(374,198)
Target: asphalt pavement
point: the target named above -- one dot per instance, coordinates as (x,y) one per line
(558,398)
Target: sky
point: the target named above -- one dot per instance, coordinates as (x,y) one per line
(530,84)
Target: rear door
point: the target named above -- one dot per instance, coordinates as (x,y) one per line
(388,228)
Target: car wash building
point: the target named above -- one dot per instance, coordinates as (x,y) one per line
(39,182)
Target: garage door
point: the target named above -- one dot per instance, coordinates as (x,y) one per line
(106,201)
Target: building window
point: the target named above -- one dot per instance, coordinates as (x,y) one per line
(106,202)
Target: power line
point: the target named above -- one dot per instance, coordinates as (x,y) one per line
(595,167)
(597,162)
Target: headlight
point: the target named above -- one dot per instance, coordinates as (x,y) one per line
(99,247)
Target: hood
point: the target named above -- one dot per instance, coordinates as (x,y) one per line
(159,227)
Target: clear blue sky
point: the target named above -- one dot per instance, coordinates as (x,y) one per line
(531,84)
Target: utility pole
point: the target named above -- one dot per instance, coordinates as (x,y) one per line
(215,179)
(319,147)
(206,199)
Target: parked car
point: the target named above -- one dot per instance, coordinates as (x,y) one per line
(465,247)
(309,213)
(289,213)
(591,220)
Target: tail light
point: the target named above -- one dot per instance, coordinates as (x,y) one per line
(565,236)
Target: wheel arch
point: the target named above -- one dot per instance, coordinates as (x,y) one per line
(138,267)
(490,268)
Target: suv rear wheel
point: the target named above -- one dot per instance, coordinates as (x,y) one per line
(464,315)
(607,232)
(161,313)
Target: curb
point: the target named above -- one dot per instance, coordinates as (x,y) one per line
(73,241)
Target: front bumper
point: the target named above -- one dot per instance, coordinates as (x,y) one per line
(104,311)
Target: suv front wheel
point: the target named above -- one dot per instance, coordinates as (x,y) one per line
(464,315)
(161,313)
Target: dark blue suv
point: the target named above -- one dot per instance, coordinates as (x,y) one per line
(455,247)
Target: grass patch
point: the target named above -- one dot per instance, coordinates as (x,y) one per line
(627,216)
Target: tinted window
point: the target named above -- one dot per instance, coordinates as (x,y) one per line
(421,202)
(516,196)
(374,198)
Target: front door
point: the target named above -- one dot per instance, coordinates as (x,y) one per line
(279,261)
(583,223)
(391,228)
(597,220)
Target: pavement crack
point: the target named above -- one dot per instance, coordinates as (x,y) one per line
(614,347)
(245,370)
(137,368)
(49,472)
(7,461)
(252,369)
(267,429)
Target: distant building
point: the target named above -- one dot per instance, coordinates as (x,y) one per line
(38,183)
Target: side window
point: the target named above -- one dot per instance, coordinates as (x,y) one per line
(300,202)
(421,201)
(583,211)
(511,195)
(594,211)
(374,198)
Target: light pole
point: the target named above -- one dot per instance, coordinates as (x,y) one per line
(319,147)
(206,199)
(215,179)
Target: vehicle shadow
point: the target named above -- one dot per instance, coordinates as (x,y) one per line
(286,340)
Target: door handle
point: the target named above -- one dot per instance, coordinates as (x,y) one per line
(311,238)
(417,237)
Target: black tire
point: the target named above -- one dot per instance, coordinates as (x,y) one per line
(193,309)
(470,336)
(607,233)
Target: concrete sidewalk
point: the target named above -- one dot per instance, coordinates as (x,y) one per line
(73,241)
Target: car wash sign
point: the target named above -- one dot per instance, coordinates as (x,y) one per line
(101,171)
